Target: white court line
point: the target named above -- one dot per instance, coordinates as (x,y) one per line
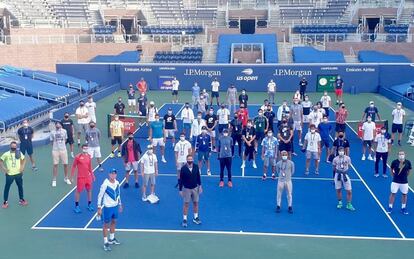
(234,233)
(74,188)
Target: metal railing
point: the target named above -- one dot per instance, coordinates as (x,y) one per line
(400,9)
(378,3)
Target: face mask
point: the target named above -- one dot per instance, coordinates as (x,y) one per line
(369,119)
(270,135)
(315,109)
(401,157)
(243,92)
(296,102)
(169,112)
(91,100)
(130,137)
(341,153)
(82,104)
(199,117)
(284,105)
(306,99)
(383,131)
(398,107)
(249,125)
(116,118)
(313,131)
(13,149)
(284,158)
(236,117)
(204,131)
(92,126)
(325,94)
(186,106)
(211,112)
(150,151)
(325,120)
(340,136)
(157,118)
(371,105)
(66,116)
(190,163)
(85,150)
(260,113)
(225,134)
(120,101)
(343,107)
(182,138)
(58,127)
(152,105)
(25,125)
(222,107)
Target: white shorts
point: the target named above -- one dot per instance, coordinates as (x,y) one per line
(158,142)
(297,125)
(180,164)
(305,118)
(402,187)
(169,133)
(94,152)
(131,165)
(212,133)
(132,102)
(341,183)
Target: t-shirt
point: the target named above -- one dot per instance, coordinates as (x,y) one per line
(397,116)
(58,138)
(270,144)
(285,132)
(340,143)
(296,110)
(270,118)
(93,136)
(260,123)
(315,118)
(271,87)
(313,141)
(341,163)
(149,163)
(382,141)
(249,133)
(243,116)
(285,170)
(231,93)
(368,129)
(151,113)
(142,86)
(215,86)
(223,115)
(210,120)
(341,116)
(84,164)
(243,98)
(224,145)
(306,107)
(119,108)
(117,128)
(302,85)
(400,173)
(326,100)
(236,126)
(130,148)
(91,106)
(195,91)
(175,85)
(11,163)
(131,94)
(182,148)
(169,121)
(67,125)
(324,130)
(203,143)
(25,134)
(156,127)
(187,115)
(82,111)
(371,111)
(339,83)
(142,103)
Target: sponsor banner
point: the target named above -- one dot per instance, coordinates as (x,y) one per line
(165,82)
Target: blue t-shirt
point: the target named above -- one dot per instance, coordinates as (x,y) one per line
(371,111)
(203,143)
(196,91)
(269,144)
(324,130)
(131,94)
(156,127)
(339,83)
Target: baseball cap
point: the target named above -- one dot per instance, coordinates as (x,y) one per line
(113,171)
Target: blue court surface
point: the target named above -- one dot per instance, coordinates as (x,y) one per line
(249,207)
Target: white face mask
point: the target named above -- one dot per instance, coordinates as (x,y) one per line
(249,125)
(182,138)
(211,112)
(225,134)
(369,119)
(85,150)
(169,112)
(371,105)
(313,131)
(325,120)
(306,99)
(260,113)
(398,107)
(284,157)
(26,125)
(401,157)
(199,117)
(270,135)
(341,153)
(383,131)
(150,151)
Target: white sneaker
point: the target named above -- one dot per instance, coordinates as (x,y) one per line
(243,165)
(208,172)
(144,198)
(300,143)
(67,181)
(363,157)
(370,158)
(72,155)
(254,165)
(163,159)
(54,183)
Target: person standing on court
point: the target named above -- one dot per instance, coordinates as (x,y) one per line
(285,169)
(142,86)
(170,126)
(131,153)
(368,135)
(195,96)
(307,106)
(156,136)
(190,189)
(12,163)
(243,114)
(142,105)
(398,115)
(224,146)
(312,146)
(203,149)
(132,102)
(187,116)
(119,107)
(93,138)
(341,164)
(232,98)
(151,112)
(271,91)
(249,138)
(91,106)
(223,115)
(196,128)
(326,102)
(83,119)
(236,128)
(371,111)
(109,205)
(339,86)
(67,125)
(282,112)
(341,117)
(269,154)
(25,135)
(84,178)
(270,115)
(211,123)
(215,91)
(296,111)
(400,170)
(285,135)
(243,98)
(181,150)
(116,128)
(382,145)
(149,171)
(58,139)
(302,87)
(175,84)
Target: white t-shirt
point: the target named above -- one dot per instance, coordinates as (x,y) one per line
(397,116)
(215,86)
(326,100)
(223,116)
(175,84)
(149,163)
(182,148)
(264,108)
(368,129)
(315,118)
(271,87)
(151,113)
(313,141)
(91,108)
(382,143)
(280,112)
(83,111)
(187,115)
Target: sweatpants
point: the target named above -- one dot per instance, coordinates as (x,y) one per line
(378,156)
(9,180)
(225,162)
(284,186)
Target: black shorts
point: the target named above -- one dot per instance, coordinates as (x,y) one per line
(340,127)
(397,128)
(116,140)
(326,111)
(285,146)
(26,148)
(367,143)
(175,92)
(249,151)
(215,94)
(70,139)
(325,143)
(259,136)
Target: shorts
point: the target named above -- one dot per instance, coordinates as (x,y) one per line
(180,164)
(82,127)
(325,143)
(191,194)
(60,155)
(221,127)
(212,133)
(340,127)
(174,92)
(149,178)
(132,102)
(94,152)
(131,165)
(70,139)
(367,143)
(116,140)
(396,128)
(305,118)
(26,148)
(249,151)
(326,111)
(187,126)
(312,155)
(203,155)
(402,187)
(169,133)
(83,183)
(259,136)
(158,142)
(285,147)
(269,160)
(339,184)
(215,94)
(109,213)
(338,91)
(297,125)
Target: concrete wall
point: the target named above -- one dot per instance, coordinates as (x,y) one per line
(213,33)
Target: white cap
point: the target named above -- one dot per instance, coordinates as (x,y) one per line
(399,103)
(152,103)
(371,102)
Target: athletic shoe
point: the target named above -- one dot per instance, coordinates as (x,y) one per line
(197,221)
(208,172)
(363,157)
(264,177)
(339,206)
(144,198)
(399,143)
(370,158)
(77,210)
(306,172)
(404,211)
(294,154)
(278,209)
(230,184)
(317,172)
(112,155)
(184,224)
(221,184)
(72,155)
(119,154)
(328,162)
(350,207)
(5,205)
(273,177)
(385,175)
(243,165)
(300,143)
(376,175)
(67,181)
(113,241)
(254,165)
(126,185)
(35,169)
(54,183)
(106,247)
(90,208)
(23,202)
(389,210)
(137,185)
(163,159)
(290,210)
(101,169)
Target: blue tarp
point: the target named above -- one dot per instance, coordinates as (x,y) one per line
(124,57)
(372,56)
(312,55)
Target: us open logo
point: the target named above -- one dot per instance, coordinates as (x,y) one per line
(247,75)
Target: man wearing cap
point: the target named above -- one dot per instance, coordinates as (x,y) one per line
(371,111)
(83,119)
(203,149)
(109,205)
(398,115)
(341,164)
(187,116)
(285,169)
(131,153)
(225,142)
(149,170)
(400,170)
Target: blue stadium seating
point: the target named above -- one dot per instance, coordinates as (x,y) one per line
(188,55)
(312,55)
(12,110)
(103,29)
(192,29)
(372,56)
(269,42)
(124,57)
(398,29)
(322,29)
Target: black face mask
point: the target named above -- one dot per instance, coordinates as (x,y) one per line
(130,137)
(13,149)
(66,116)
(341,136)
(92,126)
(190,163)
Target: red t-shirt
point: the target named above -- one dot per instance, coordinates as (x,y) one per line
(142,86)
(84,164)
(130,147)
(341,115)
(243,116)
